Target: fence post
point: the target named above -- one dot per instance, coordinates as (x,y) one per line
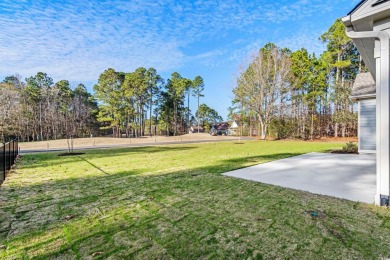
(13,151)
(9,155)
(4,162)
(9,152)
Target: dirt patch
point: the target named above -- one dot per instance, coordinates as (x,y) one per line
(106,141)
(70,154)
(317,139)
(343,152)
(337,139)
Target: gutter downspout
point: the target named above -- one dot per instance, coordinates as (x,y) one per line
(382,111)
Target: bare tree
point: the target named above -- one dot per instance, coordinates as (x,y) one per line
(262,84)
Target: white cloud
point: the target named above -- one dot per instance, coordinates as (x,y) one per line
(78,41)
(308,41)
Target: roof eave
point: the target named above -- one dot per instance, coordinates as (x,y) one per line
(360,97)
(347,20)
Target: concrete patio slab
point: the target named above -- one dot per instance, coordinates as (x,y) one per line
(347,176)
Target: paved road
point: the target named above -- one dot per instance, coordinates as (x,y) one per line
(131,145)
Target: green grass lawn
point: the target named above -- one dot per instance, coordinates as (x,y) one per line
(172,202)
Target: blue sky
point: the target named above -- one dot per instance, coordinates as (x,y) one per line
(77,40)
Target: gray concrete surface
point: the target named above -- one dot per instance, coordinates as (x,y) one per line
(347,176)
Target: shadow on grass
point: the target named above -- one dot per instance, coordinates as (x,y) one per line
(39,160)
(243,162)
(93,165)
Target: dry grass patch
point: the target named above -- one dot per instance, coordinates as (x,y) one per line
(108,141)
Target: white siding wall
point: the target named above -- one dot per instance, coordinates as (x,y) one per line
(367,126)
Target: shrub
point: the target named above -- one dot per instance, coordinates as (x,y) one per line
(350,147)
(281,128)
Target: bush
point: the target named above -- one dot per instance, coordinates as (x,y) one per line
(350,147)
(281,128)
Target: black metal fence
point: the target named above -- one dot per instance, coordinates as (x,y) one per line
(8,153)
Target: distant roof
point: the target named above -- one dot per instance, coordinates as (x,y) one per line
(221,126)
(363,86)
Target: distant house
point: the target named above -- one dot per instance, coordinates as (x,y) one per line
(196,129)
(364,91)
(220,129)
(234,128)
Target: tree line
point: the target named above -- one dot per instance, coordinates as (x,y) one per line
(130,104)
(39,109)
(141,103)
(298,95)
